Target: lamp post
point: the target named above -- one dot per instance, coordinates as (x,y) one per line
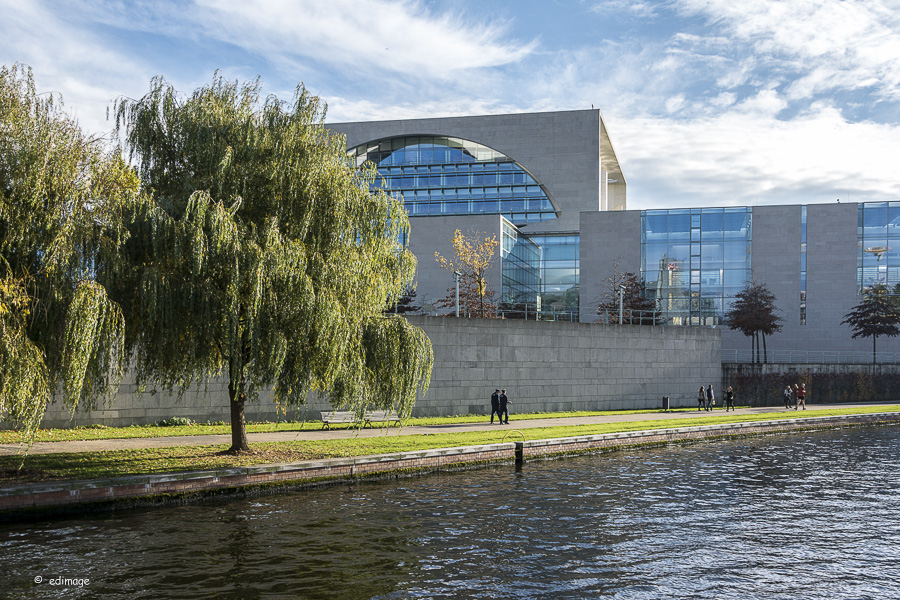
(621,302)
(457,273)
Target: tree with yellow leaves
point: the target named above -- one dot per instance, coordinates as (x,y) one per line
(474,255)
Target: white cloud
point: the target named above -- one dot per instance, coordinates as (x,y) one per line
(675,103)
(744,157)
(634,7)
(830,44)
(369,35)
(68,60)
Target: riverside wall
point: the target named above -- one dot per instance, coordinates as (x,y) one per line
(45,499)
(545,366)
(762,384)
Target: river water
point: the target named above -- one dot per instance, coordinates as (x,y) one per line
(810,515)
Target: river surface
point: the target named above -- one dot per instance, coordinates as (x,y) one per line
(808,515)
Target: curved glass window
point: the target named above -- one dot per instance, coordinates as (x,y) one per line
(439,175)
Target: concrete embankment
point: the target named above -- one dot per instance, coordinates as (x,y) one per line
(44,499)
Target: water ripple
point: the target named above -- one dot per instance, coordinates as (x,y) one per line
(780,517)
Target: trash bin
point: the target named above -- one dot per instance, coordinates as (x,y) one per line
(665,403)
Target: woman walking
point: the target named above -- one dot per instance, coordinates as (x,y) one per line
(729,399)
(801,396)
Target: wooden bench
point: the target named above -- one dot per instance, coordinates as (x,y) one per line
(369,417)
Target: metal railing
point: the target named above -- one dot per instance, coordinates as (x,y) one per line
(630,317)
(812,357)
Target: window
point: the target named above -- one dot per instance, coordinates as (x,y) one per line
(694,261)
(438,163)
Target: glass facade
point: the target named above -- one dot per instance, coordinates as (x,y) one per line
(695,261)
(878,258)
(803,265)
(439,175)
(521,273)
(559,275)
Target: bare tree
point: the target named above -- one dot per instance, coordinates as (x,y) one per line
(637,309)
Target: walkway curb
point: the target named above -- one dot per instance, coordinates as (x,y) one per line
(47,499)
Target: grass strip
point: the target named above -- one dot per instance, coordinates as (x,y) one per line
(101,432)
(95,465)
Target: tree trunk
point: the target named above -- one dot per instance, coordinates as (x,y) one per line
(238,424)
(765,351)
(874,337)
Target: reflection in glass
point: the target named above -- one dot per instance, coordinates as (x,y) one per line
(879,246)
(438,163)
(695,268)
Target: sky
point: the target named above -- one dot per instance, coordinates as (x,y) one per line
(707,102)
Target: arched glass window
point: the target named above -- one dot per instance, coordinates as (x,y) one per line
(439,175)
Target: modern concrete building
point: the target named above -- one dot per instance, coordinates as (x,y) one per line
(549,186)
(524,178)
(816,259)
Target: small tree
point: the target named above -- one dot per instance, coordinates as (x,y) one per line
(876,315)
(637,309)
(406,304)
(753,314)
(474,256)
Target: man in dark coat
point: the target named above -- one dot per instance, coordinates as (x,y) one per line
(495,406)
(504,401)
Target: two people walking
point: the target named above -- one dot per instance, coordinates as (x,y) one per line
(706,398)
(500,406)
(795,396)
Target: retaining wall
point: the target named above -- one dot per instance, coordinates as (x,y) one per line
(763,384)
(79,496)
(545,366)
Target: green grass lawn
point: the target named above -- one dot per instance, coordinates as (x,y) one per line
(101,432)
(91,465)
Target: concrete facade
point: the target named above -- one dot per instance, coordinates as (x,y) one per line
(545,366)
(831,271)
(432,282)
(831,277)
(598,256)
(568,152)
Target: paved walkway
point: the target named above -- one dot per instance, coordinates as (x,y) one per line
(315,433)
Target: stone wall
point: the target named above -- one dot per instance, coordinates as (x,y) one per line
(554,366)
(763,384)
(545,366)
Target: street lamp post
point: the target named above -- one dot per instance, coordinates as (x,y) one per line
(457,273)
(621,303)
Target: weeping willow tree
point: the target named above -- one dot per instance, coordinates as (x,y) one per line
(62,197)
(263,257)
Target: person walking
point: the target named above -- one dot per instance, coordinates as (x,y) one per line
(729,398)
(504,407)
(801,395)
(495,406)
(795,395)
(787,396)
(710,398)
(701,398)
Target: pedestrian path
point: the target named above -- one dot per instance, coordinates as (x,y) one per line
(682,418)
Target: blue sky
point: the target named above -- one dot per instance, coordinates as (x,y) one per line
(708,102)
